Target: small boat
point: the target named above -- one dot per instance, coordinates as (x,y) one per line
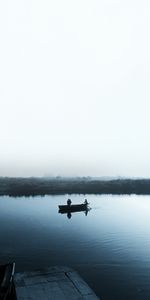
(7,288)
(73,208)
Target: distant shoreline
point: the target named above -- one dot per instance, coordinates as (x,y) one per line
(34,186)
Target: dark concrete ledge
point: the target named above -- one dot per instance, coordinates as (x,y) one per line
(55,283)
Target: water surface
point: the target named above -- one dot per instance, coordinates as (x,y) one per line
(110,247)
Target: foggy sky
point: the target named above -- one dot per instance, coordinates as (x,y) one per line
(74,88)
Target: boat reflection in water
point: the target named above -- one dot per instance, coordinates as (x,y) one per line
(72,208)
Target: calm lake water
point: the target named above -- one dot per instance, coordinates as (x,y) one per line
(110,247)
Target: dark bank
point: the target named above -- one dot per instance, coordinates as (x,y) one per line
(80,185)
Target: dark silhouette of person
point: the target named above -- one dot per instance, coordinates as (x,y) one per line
(85,202)
(69,202)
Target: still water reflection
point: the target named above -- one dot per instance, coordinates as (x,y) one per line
(110,247)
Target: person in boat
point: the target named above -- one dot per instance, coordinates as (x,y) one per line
(85,202)
(69,202)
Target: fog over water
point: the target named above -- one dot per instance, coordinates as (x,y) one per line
(74,94)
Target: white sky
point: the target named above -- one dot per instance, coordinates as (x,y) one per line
(74,87)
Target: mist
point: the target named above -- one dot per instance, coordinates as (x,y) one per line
(74,94)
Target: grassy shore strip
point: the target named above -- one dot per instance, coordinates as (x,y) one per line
(60,186)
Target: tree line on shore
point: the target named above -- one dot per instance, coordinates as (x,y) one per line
(59,186)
